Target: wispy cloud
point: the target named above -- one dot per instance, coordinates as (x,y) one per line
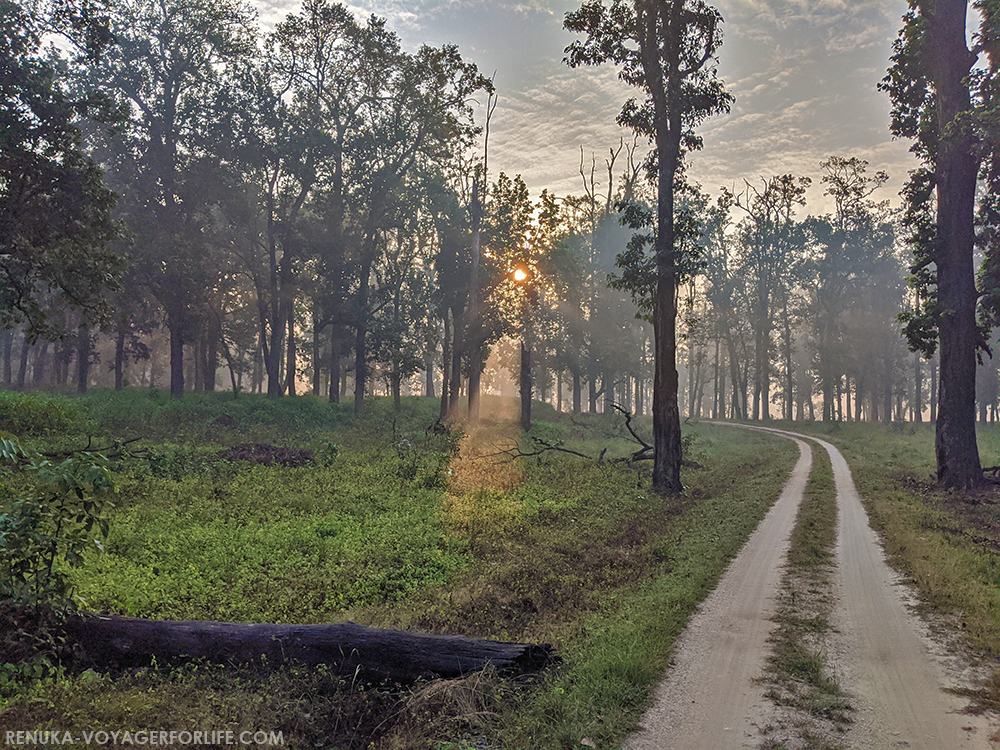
(804,73)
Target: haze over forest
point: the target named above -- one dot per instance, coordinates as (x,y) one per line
(292,217)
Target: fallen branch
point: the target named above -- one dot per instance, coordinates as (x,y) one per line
(991,474)
(541,446)
(345,648)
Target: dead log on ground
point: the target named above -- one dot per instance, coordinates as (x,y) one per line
(346,648)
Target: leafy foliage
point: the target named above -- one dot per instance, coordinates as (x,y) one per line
(55,211)
(54,524)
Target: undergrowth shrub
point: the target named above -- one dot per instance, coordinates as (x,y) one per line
(41,415)
(43,532)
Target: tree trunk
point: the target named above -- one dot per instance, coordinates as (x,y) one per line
(8,346)
(212,335)
(335,338)
(455,381)
(956,169)
(83,358)
(934,390)
(429,375)
(345,648)
(290,364)
(40,366)
(120,356)
(474,330)
(22,368)
(525,386)
(176,357)
(445,364)
(317,379)
(361,325)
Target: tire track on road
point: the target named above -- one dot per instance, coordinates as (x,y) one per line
(708,701)
(884,657)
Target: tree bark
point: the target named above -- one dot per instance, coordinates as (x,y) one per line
(361,325)
(120,356)
(445,364)
(667,114)
(334,396)
(176,357)
(22,368)
(83,358)
(525,386)
(346,648)
(956,170)
(8,345)
(290,365)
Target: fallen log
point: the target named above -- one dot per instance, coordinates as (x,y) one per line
(346,648)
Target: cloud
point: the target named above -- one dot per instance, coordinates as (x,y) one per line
(804,73)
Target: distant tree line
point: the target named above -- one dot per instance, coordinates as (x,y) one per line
(302,207)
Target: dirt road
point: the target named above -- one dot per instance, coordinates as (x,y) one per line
(881,654)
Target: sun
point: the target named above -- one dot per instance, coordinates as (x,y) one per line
(520,274)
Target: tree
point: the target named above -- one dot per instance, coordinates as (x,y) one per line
(56,214)
(771,245)
(168,67)
(667,49)
(935,92)
(850,248)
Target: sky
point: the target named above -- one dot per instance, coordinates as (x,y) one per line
(804,74)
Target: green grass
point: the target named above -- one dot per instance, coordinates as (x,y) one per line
(797,674)
(551,549)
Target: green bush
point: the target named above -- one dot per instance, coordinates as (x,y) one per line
(52,526)
(42,415)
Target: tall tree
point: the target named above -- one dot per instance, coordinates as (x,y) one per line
(935,90)
(56,214)
(851,247)
(168,66)
(667,49)
(771,246)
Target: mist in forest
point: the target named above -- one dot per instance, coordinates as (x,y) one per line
(315,209)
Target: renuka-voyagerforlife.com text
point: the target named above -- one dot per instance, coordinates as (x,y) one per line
(150,737)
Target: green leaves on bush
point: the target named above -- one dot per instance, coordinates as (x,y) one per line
(52,525)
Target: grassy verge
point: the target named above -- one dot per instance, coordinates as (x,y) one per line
(813,706)
(393,530)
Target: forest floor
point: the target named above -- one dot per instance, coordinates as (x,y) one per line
(397,522)
(895,680)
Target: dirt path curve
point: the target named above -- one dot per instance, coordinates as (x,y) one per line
(708,700)
(881,654)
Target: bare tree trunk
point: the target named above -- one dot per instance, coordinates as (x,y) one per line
(956,169)
(445,364)
(8,346)
(39,368)
(83,357)
(525,385)
(345,648)
(934,389)
(290,365)
(176,356)
(335,339)
(22,368)
(120,356)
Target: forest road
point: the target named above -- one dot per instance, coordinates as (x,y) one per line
(880,653)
